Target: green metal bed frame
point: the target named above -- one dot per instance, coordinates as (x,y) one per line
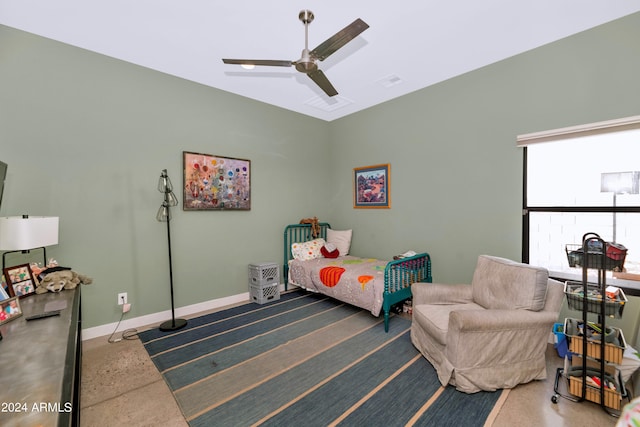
(398,274)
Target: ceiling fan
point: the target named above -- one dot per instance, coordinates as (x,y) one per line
(308,63)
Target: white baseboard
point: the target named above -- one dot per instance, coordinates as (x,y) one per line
(157,318)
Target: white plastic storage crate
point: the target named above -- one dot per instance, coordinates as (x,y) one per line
(266,273)
(263,294)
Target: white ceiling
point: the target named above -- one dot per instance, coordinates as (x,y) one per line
(410,44)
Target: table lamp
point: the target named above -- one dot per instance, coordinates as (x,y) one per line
(25,233)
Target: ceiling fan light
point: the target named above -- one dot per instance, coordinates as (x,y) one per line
(248,66)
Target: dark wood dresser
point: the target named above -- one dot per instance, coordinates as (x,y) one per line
(40,363)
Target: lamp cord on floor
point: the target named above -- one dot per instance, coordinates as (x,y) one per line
(127,334)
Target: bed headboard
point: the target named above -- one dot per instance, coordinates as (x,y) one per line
(296,233)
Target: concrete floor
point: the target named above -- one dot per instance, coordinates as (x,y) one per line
(121,386)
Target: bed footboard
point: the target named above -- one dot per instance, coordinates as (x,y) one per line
(399,275)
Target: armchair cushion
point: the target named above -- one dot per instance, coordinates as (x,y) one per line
(499,283)
(435,318)
(437,293)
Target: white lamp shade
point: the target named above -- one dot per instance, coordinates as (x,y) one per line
(20,234)
(619,182)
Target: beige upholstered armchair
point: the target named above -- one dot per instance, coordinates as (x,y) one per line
(492,334)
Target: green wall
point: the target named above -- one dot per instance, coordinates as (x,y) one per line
(86,136)
(456,174)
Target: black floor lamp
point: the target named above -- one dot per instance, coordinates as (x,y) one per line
(164,215)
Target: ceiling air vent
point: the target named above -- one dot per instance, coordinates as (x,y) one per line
(328,104)
(390,80)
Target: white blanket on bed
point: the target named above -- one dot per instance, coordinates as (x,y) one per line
(356,281)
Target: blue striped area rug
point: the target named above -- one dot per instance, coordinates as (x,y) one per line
(307,360)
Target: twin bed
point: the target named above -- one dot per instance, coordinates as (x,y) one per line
(371,284)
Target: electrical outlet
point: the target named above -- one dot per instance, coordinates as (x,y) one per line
(122,298)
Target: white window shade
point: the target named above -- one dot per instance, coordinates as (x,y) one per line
(616,125)
(19,233)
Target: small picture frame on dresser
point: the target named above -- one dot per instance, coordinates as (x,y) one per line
(20,281)
(9,310)
(4,291)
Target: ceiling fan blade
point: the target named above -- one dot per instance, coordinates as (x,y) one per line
(321,80)
(339,39)
(267,62)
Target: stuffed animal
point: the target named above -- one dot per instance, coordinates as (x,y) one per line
(63,279)
(315,225)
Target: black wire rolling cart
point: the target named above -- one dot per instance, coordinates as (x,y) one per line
(594,348)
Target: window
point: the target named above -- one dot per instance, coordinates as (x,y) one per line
(580,180)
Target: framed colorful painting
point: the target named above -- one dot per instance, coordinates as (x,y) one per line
(216,182)
(371,187)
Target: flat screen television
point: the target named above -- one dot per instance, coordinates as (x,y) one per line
(3,175)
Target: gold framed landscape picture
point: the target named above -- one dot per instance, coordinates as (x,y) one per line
(371,187)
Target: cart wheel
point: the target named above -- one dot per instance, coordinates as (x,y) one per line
(554,398)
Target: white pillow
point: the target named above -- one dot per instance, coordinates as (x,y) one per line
(342,240)
(305,251)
